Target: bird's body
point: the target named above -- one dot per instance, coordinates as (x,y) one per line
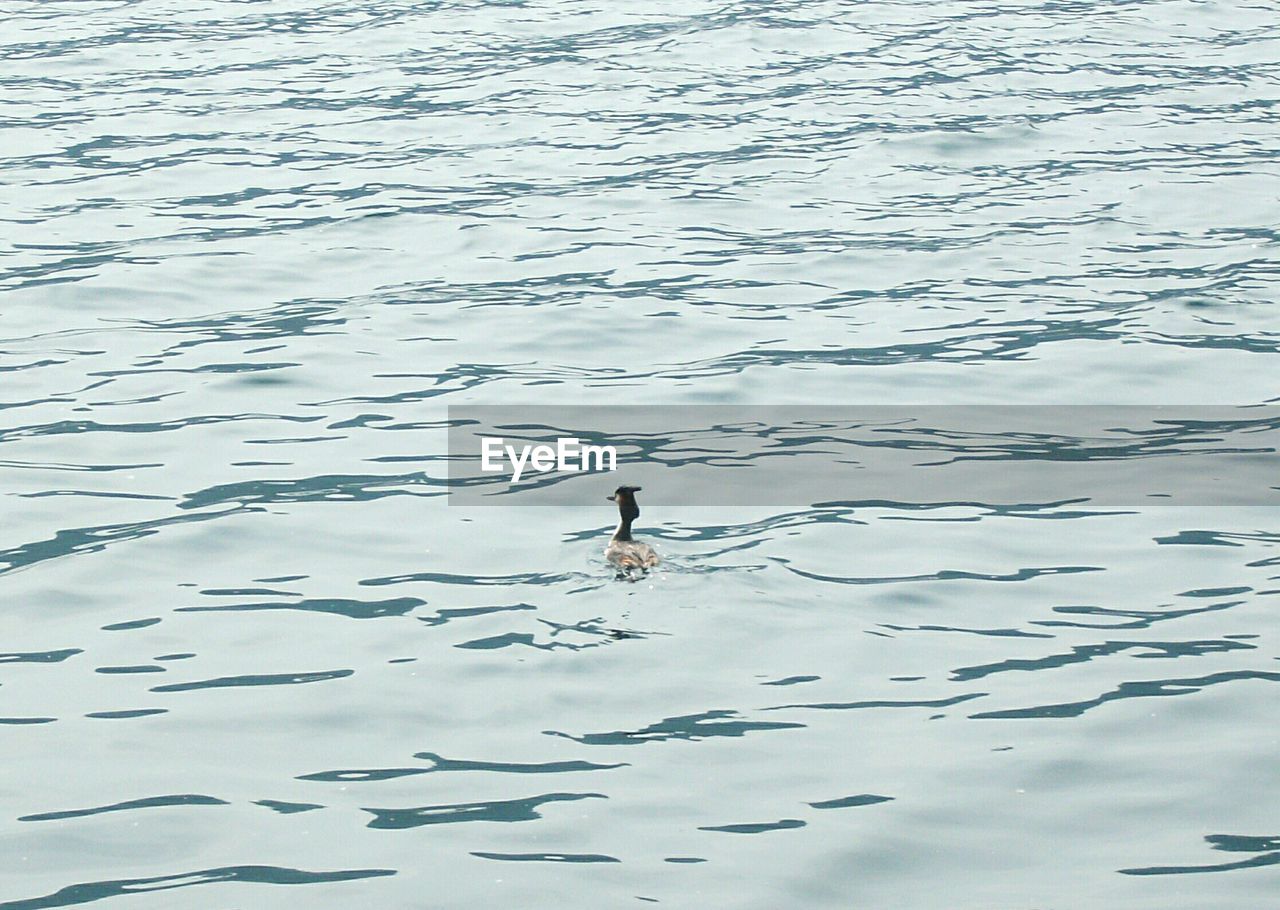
(623,550)
(631,554)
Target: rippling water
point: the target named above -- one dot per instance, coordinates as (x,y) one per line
(254,249)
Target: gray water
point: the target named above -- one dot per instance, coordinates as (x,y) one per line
(251,657)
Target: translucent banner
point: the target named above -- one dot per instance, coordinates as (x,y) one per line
(784,455)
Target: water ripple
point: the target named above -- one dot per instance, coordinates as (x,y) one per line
(508,810)
(1158,688)
(89,892)
(151,802)
(257,679)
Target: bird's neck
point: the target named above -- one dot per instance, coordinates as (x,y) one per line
(623,531)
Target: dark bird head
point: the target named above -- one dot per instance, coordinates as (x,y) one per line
(625,497)
(624,493)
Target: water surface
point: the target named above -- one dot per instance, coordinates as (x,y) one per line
(250,656)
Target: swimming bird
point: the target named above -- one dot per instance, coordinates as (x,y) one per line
(623,551)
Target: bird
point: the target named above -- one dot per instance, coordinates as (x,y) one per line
(623,551)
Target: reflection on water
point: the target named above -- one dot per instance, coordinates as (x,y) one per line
(256,251)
